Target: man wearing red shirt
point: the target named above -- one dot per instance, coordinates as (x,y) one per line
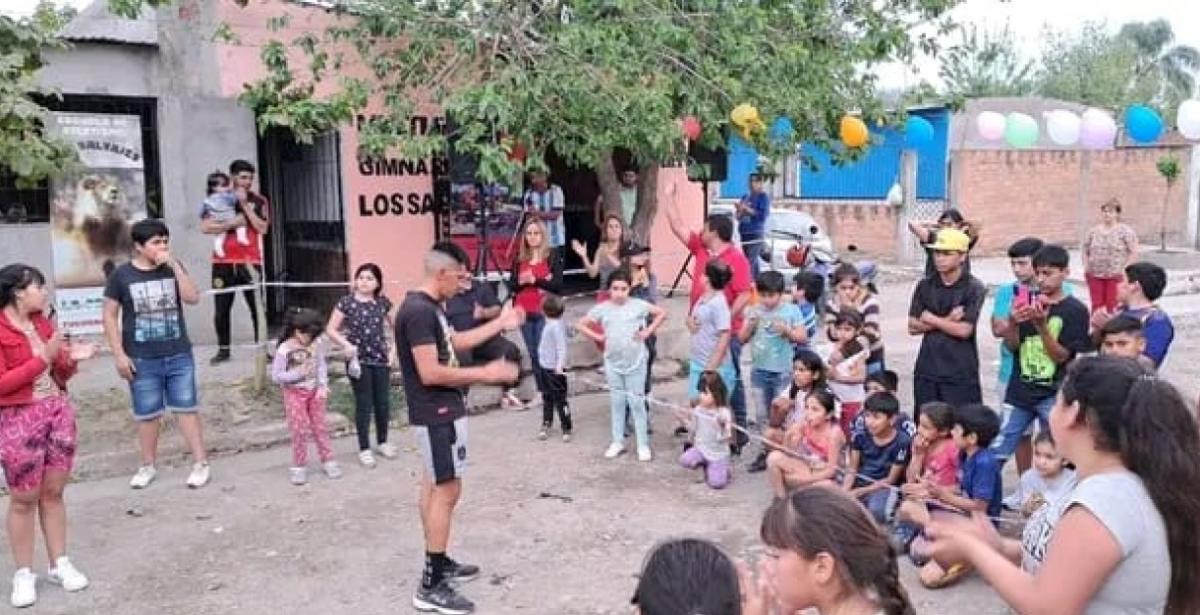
(233,269)
(714,241)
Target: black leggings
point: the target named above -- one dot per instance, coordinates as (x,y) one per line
(228,276)
(372,396)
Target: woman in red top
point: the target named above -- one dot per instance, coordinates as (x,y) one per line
(37,427)
(537,270)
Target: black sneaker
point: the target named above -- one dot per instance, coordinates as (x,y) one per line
(442,599)
(219,358)
(456,571)
(759,464)
(681,431)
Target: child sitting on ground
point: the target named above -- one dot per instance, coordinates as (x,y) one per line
(934,460)
(808,375)
(712,423)
(885,381)
(221,205)
(1048,481)
(819,438)
(878,457)
(300,367)
(980,488)
(848,366)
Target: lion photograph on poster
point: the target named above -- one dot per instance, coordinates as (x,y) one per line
(92,216)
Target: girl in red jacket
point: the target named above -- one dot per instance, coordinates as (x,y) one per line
(37,428)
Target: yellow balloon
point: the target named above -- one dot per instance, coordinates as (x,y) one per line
(746,118)
(854,132)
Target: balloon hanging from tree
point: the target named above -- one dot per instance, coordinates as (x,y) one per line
(853,132)
(745,117)
(691,128)
(918,132)
(781,131)
(1143,124)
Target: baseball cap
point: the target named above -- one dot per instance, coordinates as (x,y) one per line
(950,240)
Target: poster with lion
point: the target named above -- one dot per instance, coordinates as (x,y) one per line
(92,209)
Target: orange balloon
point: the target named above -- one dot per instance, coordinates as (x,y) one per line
(854,132)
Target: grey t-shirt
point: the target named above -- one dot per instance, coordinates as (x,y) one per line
(712,313)
(552,348)
(1140,582)
(623,352)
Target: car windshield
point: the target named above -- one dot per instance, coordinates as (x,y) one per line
(789,224)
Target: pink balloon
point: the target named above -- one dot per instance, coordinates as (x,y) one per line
(1097,129)
(990,125)
(691,128)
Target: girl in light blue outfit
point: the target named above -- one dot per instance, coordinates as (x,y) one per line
(625,357)
(710,326)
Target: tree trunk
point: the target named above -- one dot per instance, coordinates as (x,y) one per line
(647,203)
(647,195)
(1162,224)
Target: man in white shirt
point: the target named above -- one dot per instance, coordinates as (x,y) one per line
(545,200)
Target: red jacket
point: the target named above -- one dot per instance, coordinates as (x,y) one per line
(18,365)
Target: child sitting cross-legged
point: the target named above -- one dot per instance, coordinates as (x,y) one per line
(934,460)
(808,375)
(818,439)
(878,456)
(975,426)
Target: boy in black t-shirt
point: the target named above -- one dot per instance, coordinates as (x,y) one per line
(944,310)
(428,348)
(1047,329)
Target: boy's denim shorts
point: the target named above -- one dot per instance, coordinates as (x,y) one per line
(160,383)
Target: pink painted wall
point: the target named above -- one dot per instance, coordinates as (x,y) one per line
(389,217)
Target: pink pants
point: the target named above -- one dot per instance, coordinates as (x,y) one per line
(1103,292)
(306,418)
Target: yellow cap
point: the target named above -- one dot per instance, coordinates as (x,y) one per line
(950,240)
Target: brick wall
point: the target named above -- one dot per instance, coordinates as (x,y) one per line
(868,225)
(1013,193)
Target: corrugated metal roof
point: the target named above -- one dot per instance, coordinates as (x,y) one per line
(96,24)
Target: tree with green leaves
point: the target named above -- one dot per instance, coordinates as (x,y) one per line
(1168,168)
(1113,71)
(586,78)
(1174,66)
(986,63)
(25,150)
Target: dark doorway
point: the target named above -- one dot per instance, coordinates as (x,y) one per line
(307,242)
(580,189)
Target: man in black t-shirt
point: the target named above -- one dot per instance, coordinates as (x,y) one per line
(428,347)
(474,304)
(944,310)
(1046,330)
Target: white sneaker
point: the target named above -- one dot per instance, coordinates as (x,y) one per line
(24,588)
(388,450)
(199,475)
(366,458)
(543,433)
(332,469)
(566,437)
(145,475)
(511,402)
(614,449)
(65,573)
(644,453)
(298,476)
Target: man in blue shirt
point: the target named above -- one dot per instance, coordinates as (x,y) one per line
(752,213)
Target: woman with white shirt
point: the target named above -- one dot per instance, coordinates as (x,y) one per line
(1126,539)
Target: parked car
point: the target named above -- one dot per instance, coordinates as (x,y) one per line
(786,230)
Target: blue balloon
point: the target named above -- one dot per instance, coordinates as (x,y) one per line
(781,130)
(918,132)
(1143,124)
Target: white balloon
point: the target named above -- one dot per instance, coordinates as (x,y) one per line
(990,125)
(1063,127)
(1189,119)
(1097,129)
